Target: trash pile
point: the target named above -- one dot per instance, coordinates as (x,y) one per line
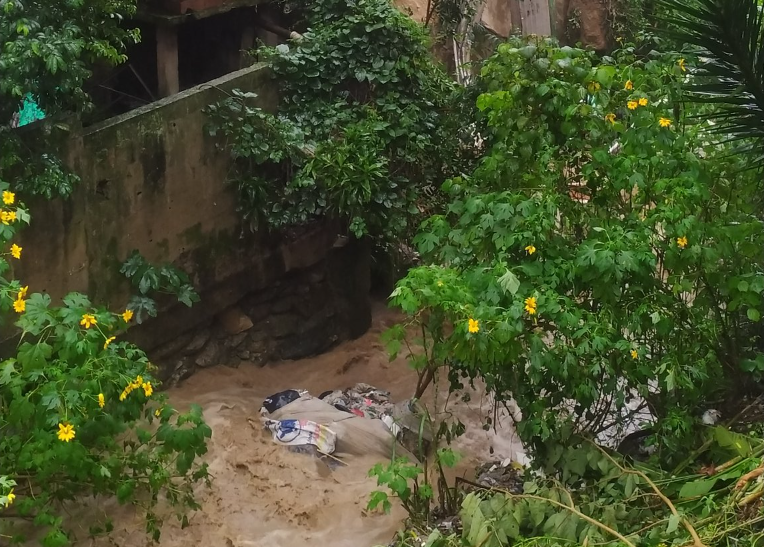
(504,475)
(358,420)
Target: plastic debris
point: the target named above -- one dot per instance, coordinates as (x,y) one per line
(301,433)
(281,399)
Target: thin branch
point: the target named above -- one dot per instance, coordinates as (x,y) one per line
(573,510)
(695,538)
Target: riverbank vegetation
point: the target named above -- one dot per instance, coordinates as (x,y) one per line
(589,245)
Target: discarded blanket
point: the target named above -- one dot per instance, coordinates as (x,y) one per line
(359,420)
(303,432)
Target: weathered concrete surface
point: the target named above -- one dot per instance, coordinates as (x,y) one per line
(497,17)
(153,180)
(587,22)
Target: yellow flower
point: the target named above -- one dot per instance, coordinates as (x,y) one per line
(19,305)
(23,292)
(158,412)
(9,197)
(610,117)
(473,326)
(629,85)
(9,498)
(138,380)
(15,251)
(5,217)
(101,400)
(65,432)
(530,305)
(88,320)
(681,65)
(634,354)
(123,395)
(643,101)
(127,316)
(109,340)
(632,105)
(664,122)
(148,389)
(593,86)
(682,242)
(530,249)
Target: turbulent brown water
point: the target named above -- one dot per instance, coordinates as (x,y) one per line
(264,495)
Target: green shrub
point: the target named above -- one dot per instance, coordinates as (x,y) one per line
(79,415)
(604,249)
(366,123)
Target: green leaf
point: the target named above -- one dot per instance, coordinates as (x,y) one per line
(50,400)
(125,491)
(510,526)
(34,356)
(7,371)
(37,314)
(55,538)
(605,74)
(753,314)
(697,488)
(673,524)
(134,263)
(734,441)
(149,281)
(509,283)
(76,300)
(630,485)
(447,457)
(378,498)
(576,461)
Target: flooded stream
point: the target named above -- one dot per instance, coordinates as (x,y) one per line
(264,495)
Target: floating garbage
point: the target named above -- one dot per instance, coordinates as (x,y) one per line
(281,399)
(303,432)
(359,420)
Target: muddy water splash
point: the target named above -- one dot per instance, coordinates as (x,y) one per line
(264,495)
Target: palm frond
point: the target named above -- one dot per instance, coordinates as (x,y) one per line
(729,37)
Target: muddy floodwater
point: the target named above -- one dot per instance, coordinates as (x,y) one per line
(264,495)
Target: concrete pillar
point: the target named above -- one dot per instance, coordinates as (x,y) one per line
(167,60)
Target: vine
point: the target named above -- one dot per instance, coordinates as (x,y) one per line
(366,123)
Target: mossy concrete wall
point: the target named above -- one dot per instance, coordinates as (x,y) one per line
(153,180)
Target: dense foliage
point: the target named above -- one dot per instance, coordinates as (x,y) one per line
(367,121)
(603,251)
(79,414)
(729,37)
(48,49)
(603,500)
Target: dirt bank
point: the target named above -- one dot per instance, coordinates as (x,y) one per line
(262,494)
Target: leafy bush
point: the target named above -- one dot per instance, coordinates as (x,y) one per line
(366,121)
(614,503)
(418,487)
(147,278)
(79,415)
(604,250)
(48,51)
